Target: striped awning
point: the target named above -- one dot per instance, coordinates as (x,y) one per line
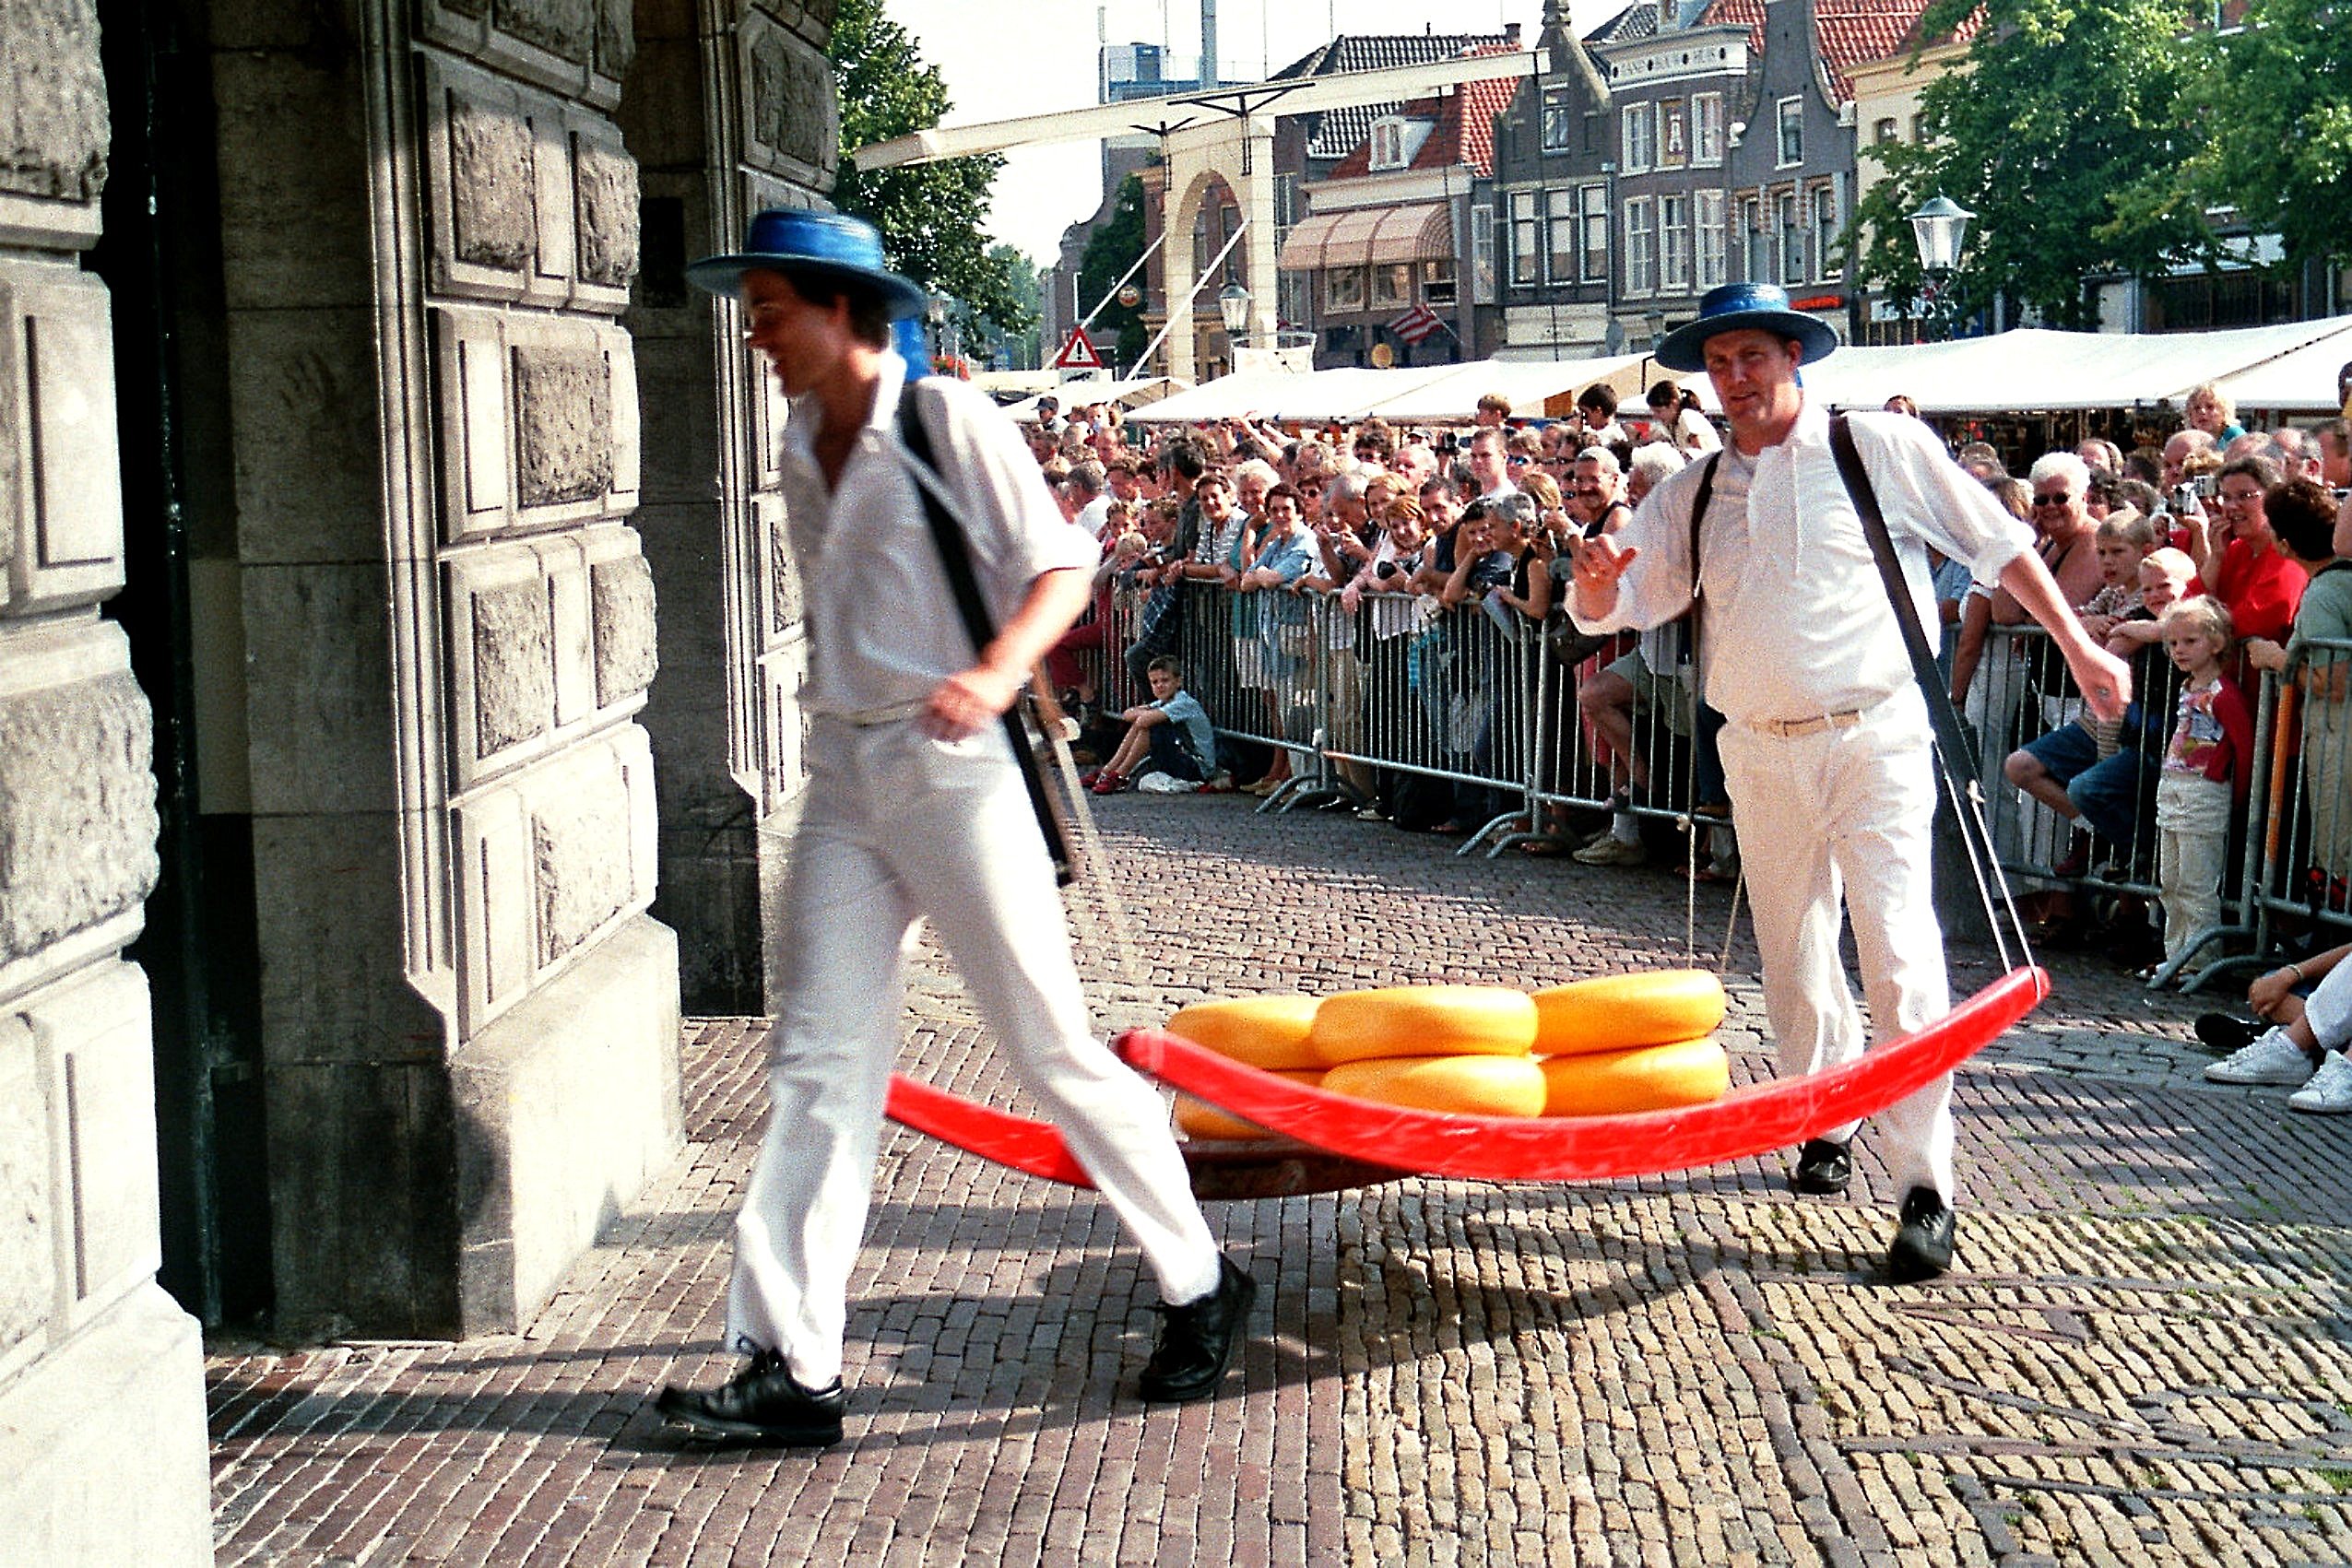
(1354,236)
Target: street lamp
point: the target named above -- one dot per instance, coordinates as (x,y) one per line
(1233,303)
(1940,228)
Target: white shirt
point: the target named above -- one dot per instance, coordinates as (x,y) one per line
(1694,433)
(1796,623)
(882,623)
(1093,514)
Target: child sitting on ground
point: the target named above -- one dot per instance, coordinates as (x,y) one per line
(1169,735)
(2205,772)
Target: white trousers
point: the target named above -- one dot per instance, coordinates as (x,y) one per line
(2328,1010)
(2191,852)
(1846,816)
(900,827)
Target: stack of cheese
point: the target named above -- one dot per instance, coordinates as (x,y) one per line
(1596,1047)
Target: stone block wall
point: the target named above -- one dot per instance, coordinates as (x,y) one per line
(431,229)
(101,1403)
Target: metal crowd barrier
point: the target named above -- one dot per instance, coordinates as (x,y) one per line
(2291,845)
(1487,701)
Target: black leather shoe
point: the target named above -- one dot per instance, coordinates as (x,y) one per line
(2226,1032)
(1923,1246)
(763,1403)
(1197,1340)
(1823,1168)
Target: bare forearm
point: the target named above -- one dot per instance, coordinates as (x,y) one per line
(1054,602)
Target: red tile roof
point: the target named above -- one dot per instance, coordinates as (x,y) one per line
(1464,130)
(1852,32)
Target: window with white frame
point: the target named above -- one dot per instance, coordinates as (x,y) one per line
(1438,282)
(1793,238)
(1592,261)
(1559,118)
(1481,254)
(1388,144)
(1638,135)
(1526,239)
(1343,288)
(1825,233)
(1707,128)
(1559,236)
(1707,211)
(1641,234)
(1391,285)
(1756,256)
(1673,244)
(1792,131)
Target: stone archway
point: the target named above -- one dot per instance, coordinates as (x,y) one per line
(1240,153)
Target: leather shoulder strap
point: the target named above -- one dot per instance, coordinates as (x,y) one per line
(1951,737)
(955,558)
(1698,510)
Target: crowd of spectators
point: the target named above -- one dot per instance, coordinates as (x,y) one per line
(2210,558)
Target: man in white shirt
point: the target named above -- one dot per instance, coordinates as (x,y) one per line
(1827,748)
(1086,481)
(908,731)
(1490,465)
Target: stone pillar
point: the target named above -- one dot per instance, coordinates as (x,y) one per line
(721,126)
(102,1398)
(759,107)
(470,1021)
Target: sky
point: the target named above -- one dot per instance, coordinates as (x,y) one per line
(1035,56)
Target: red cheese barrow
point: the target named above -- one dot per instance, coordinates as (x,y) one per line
(1329,1142)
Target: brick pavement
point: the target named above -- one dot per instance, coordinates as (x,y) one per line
(2144,1360)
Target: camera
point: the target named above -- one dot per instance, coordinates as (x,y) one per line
(2208,485)
(1386,568)
(2183,497)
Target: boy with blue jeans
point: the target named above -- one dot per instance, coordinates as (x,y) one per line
(1169,735)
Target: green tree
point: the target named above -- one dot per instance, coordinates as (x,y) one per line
(987,341)
(1110,251)
(2055,134)
(930,213)
(2277,119)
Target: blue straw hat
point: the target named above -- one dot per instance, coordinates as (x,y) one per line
(1738,306)
(824,246)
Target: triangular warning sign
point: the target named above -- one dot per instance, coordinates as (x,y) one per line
(1078,352)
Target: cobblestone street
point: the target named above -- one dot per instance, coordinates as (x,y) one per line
(2141,1358)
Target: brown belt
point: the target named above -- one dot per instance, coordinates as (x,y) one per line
(1788,729)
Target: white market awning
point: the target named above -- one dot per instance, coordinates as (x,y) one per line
(2034,370)
(2290,366)
(1078,393)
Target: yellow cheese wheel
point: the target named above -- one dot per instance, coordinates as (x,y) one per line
(1616,1012)
(1197,1118)
(1423,1020)
(1649,1077)
(1259,1031)
(1485,1086)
